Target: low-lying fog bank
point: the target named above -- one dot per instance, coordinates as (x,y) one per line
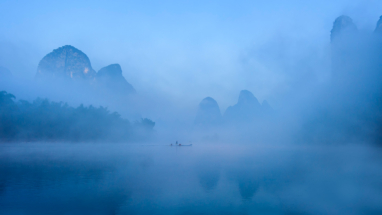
(38,178)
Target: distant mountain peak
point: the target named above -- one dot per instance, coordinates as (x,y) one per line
(209,103)
(111,78)
(246,110)
(246,97)
(343,24)
(112,71)
(66,61)
(208,112)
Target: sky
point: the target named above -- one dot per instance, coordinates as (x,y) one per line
(184,51)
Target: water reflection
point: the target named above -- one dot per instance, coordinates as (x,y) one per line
(208,174)
(126,179)
(248,187)
(49,186)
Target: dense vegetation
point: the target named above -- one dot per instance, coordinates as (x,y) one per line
(43,120)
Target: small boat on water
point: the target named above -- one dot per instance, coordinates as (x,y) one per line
(179,144)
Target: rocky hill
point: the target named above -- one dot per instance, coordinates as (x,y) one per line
(247,108)
(69,63)
(66,62)
(342,25)
(208,113)
(111,78)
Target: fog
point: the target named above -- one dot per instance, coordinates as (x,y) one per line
(190,107)
(142,179)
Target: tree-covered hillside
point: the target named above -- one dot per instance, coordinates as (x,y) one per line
(43,120)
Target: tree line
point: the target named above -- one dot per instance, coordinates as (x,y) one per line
(44,120)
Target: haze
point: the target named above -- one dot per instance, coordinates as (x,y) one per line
(183,50)
(190,107)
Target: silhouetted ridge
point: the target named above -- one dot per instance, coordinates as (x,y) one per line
(353,108)
(110,77)
(246,110)
(247,98)
(266,107)
(378,28)
(342,25)
(68,62)
(208,112)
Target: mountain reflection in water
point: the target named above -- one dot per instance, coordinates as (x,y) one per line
(202,179)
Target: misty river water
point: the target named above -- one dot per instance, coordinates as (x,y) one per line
(200,179)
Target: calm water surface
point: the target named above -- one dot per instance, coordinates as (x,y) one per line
(202,179)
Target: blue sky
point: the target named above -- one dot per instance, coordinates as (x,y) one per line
(183,49)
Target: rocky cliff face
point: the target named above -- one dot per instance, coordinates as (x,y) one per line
(208,112)
(342,25)
(66,62)
(69,63)
(111,78)
(344,45)
(354,93)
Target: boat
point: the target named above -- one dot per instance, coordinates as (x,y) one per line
(179,144)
